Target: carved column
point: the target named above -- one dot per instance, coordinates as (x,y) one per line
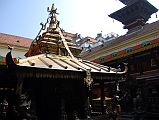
(102,96)
(19,87)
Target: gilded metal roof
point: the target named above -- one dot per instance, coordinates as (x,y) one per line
(53,39)
(58,62)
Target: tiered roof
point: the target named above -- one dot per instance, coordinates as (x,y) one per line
(135,14)
(54,40)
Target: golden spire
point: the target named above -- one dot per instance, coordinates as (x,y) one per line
(52,40)
(54,23)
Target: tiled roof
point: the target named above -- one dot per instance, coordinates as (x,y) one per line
(70,34)
(15,40)
(86,39)
(90,39)
(148,28)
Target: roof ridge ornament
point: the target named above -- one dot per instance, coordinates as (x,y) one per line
(54,23)
(53,10)
(52,19)
(10,48)
(88,80)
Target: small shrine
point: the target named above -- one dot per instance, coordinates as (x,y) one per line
(52,77)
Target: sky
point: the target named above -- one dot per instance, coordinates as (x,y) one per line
(85,17)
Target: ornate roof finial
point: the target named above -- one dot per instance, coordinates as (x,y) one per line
(10,47)
(54,23)
(53,10)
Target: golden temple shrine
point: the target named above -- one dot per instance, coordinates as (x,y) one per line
(57,82)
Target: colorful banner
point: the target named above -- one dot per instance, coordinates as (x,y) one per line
(131,50)
(2,60)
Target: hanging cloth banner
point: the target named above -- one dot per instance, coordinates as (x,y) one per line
(1,58)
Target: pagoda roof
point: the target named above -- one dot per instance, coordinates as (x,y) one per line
(128,2)
(58,62)
(52,39)
(136,10)
(63,67)
(68,34)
